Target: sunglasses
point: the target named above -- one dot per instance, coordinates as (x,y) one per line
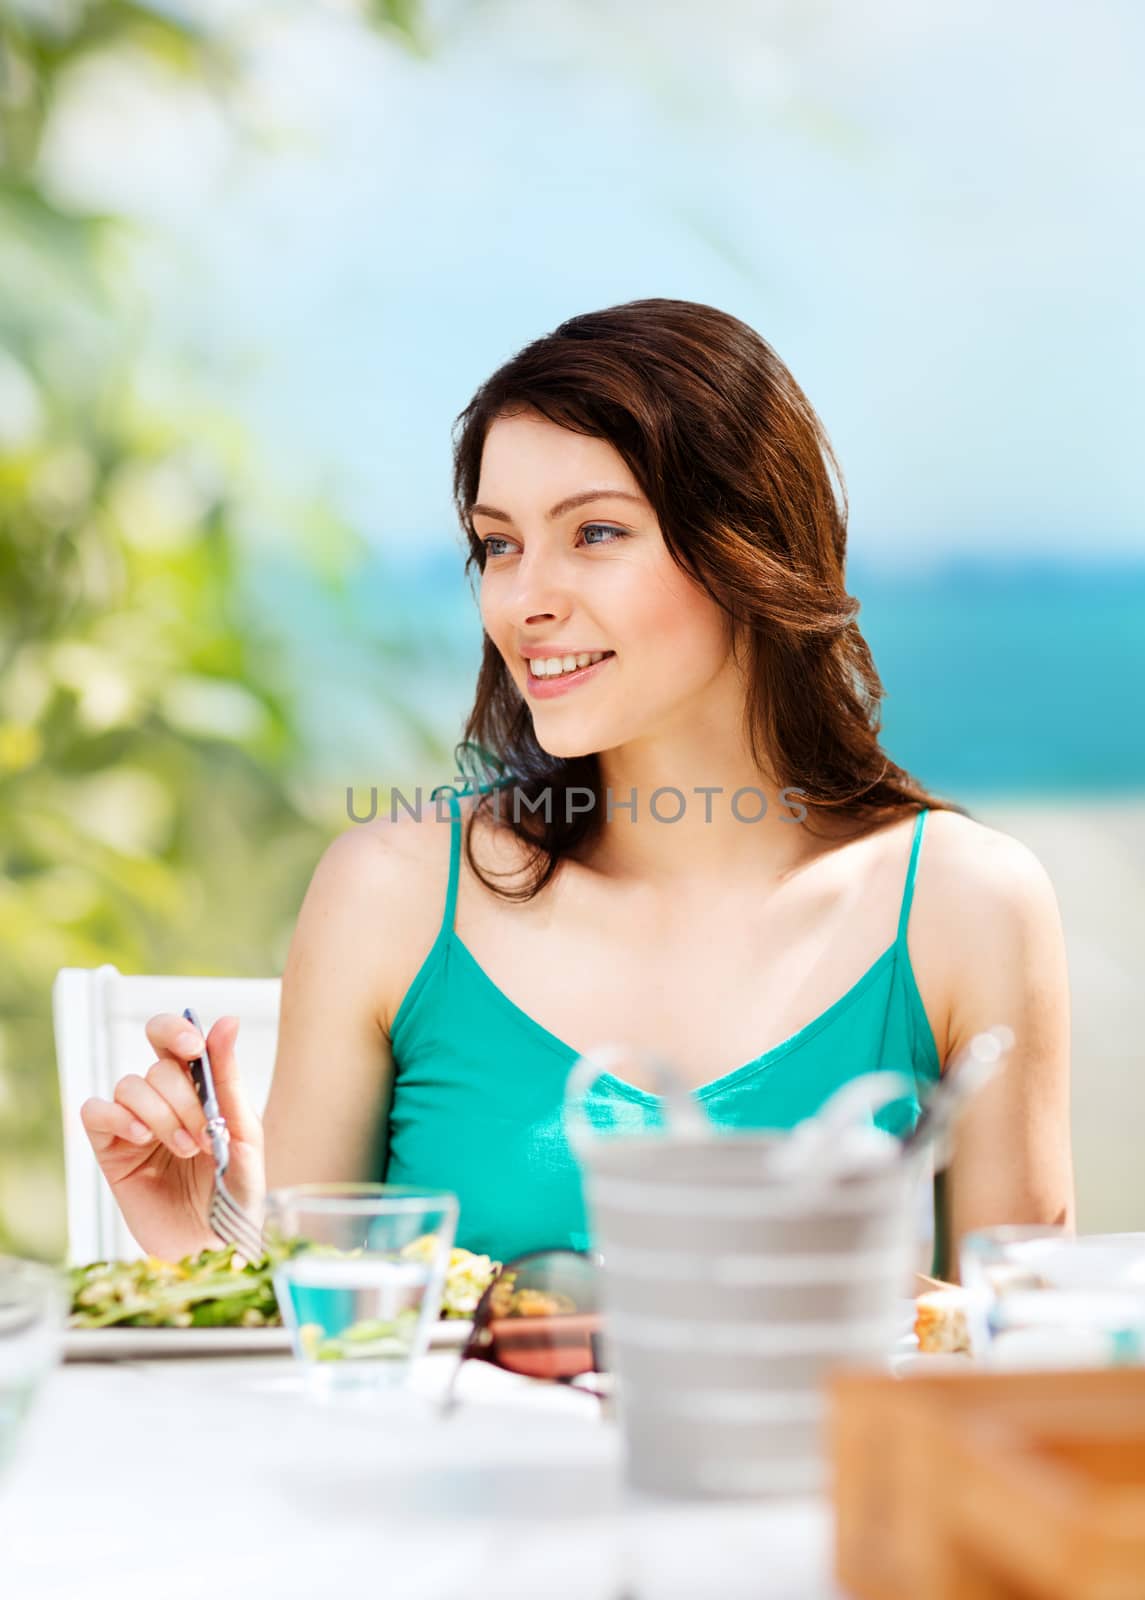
(540,1318)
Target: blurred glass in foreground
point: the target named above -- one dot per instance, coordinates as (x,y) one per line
(1040,1297)
(32,1308)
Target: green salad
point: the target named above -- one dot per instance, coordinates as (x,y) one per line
(210,1290)
(219,1289)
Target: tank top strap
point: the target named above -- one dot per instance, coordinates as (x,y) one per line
(454,854)
(911,874)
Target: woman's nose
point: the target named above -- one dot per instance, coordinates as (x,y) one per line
(542,592)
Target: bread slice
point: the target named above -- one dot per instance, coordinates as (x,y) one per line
(940,1322)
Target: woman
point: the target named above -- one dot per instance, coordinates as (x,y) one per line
(658,532)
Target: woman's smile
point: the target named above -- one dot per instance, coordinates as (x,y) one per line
(549,676)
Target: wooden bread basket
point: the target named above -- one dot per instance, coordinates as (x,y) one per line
(990,1485)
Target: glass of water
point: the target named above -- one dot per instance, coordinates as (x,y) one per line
(360,1270)
(33,1306)
(1043,1297)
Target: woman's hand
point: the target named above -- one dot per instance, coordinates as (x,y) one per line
(152,1145)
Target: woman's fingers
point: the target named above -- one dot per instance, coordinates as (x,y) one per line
(145,1102)
(173,1082)
(105,1121)
(174,1036)
(175,1039)
(232,1101)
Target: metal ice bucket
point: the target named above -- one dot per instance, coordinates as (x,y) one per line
(729,1290)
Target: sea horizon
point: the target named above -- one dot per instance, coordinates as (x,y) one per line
(1005,677)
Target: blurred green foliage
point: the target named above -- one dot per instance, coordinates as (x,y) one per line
(154,811)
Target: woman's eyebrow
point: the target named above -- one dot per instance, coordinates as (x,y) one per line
(568,504)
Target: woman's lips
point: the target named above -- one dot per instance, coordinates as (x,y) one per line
(549,688)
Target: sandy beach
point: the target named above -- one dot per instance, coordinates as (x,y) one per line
(1094,851)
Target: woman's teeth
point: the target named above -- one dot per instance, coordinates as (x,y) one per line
(556,666)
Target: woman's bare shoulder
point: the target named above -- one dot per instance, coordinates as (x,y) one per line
(981,867)
(390,878)
(377,895)
(984,905)
(387,854)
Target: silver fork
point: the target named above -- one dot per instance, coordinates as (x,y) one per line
(231,1221)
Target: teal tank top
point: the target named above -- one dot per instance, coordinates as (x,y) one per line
(478,1085)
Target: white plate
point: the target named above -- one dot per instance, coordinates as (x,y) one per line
(139,1344)
(932,1361)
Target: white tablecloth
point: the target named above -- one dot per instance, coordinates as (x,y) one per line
(220,1477)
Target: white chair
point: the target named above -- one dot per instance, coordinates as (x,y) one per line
(99,1017)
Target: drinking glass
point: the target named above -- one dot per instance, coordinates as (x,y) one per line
(359,1274)
(1041,1296)
(32,1310)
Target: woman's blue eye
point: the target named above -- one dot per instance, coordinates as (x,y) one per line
(589,527)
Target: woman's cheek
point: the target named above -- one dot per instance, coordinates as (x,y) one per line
(689,628)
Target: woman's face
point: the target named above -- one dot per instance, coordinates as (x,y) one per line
(576,566)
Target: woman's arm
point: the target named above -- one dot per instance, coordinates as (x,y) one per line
(1005,961)
(367,920)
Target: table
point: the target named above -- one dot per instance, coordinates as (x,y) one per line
(219,1476)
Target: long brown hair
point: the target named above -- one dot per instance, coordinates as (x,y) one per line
(751,503)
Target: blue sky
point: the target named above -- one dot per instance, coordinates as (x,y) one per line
(932,211)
